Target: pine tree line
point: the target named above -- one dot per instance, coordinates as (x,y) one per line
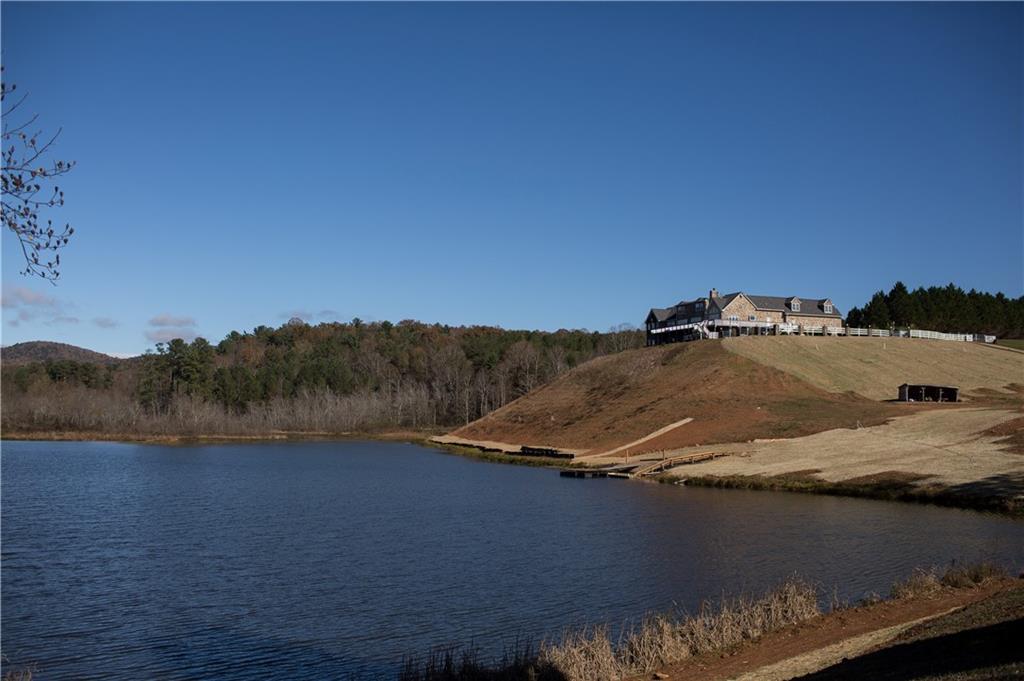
(948,309)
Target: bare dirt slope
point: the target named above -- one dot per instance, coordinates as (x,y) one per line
(875,367)
(949,446)
(614,400)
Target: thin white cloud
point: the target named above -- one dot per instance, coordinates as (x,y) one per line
(165,335)
(307,316)
(62,320)
(20,296)
(105,322)
(171,320)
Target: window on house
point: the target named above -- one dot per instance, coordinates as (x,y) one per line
(752,318)
(699,307)
(796,306)
(828,308)
(733,318)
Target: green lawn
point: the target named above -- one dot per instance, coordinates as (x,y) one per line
(1017,343)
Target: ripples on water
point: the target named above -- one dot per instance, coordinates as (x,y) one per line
(336,559)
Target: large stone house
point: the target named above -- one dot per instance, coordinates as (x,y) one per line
(739,313)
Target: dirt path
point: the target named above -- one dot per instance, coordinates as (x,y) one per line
(816,660)
(650,436)
(826,640)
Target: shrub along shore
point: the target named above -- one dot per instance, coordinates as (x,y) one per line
(662,640)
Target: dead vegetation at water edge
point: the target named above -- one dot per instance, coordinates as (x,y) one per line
(591,654)
(664,639)
(983,496)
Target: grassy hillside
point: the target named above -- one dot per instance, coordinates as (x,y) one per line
(614,400)
(48,351)
(875,367)
(737,390)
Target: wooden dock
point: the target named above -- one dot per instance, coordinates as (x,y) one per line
(655,467)
(641,469)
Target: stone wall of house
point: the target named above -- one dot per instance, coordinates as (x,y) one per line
(808,320)
(743,309)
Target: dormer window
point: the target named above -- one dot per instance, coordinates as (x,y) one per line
(795,305)
(828,308)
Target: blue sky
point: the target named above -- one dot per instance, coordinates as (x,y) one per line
(523,165)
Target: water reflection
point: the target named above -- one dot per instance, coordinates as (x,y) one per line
(335,559)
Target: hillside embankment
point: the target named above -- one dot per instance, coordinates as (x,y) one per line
(875,367)
(802,413)
(614,400)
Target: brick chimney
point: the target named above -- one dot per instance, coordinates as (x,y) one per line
(713,293)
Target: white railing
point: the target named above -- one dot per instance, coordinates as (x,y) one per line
(745,323)
(936,335)
(783,328)
(677,327)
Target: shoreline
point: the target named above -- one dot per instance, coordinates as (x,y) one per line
(879,491)
(789,631)
(882,490)
(418,437)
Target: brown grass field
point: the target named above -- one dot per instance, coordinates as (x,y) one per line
(874,367)
(614,400)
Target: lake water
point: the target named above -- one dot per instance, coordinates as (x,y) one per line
(333,560)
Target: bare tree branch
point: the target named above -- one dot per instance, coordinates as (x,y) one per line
(21,184)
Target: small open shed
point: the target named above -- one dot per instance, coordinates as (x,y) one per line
(916,392)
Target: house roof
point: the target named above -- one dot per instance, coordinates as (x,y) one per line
(808,306)
(661,313)
(722,301)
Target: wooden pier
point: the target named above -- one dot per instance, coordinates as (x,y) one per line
(641,469)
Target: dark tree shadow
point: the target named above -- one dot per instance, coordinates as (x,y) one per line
(990,646)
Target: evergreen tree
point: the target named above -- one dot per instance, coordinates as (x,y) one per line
(876,312)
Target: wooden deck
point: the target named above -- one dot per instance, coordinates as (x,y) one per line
(640,469)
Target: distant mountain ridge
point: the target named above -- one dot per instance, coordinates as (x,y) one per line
(47,351)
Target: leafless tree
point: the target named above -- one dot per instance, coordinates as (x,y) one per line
(29,188)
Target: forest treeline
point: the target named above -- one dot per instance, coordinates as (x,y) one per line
(359,376)
(948,309)
(327,378)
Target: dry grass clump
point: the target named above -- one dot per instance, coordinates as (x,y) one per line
(663,639)
(966,576)
(585,654)
(924,583)
(920,583)
(17,674)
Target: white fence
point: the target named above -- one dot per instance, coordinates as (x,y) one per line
(702,329)
(935,335)
(902,333)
